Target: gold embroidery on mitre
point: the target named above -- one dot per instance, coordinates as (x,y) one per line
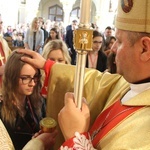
(133,21)
(127,5)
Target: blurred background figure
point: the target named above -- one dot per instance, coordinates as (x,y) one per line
(62,30)
(108,44)
(96,58)
(111,64)
(48,25)
(107,33)
(14,37)
(8,32)
(53,35)
(69,40)
(34,38)
(42,24)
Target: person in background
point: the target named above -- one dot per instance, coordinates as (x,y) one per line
(109,42)
(69,40)
(9,31)
(122,101)
(53,35)
(43,28)
(96,58)
(111,64)
(22,106)
(47,25)
(62,30)
(107,33)
(55,50)
(14,37)
(34,38)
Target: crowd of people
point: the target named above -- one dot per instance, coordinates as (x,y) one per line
(38,81)
(39,32)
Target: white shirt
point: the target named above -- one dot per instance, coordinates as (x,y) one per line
(135,89)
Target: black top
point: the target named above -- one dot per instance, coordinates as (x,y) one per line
(101,61)
(25,127)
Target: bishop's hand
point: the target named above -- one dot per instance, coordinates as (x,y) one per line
(36,59)
(72,119)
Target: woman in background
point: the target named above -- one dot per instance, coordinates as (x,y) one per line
(111,64)
(57,51)
(53,35)
(109,42)
(34,38)
(96,58)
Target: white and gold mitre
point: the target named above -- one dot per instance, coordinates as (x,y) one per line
(133,15)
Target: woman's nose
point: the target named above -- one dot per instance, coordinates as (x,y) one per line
(114,48)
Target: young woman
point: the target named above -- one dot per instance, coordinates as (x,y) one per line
(108,44)
(22,106)
(53,35)
(34,38)
(57,51)
(96,59)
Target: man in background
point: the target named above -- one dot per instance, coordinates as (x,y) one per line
(42,27)
(69,40)
(107,33)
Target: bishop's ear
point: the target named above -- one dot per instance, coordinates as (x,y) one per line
(145,56)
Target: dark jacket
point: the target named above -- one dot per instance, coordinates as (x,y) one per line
(101,62)
(25,127)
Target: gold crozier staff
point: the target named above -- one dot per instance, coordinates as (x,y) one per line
(83,44)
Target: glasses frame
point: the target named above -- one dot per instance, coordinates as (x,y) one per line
(97,42)
(29,79)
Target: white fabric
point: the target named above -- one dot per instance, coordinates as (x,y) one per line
(34,144)
(135,89)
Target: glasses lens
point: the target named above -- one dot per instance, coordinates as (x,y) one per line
(27,80)
(96,42)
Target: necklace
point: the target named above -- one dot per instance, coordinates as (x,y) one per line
(93,60)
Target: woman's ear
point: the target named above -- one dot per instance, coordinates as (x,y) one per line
(145,54)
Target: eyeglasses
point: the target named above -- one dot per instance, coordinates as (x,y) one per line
(28,79)
(97,42)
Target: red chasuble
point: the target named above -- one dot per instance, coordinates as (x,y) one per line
(2,60)
(104,123)
(110,118)
(47,68)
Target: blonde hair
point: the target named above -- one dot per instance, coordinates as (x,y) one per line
(32,28)
(55,45)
